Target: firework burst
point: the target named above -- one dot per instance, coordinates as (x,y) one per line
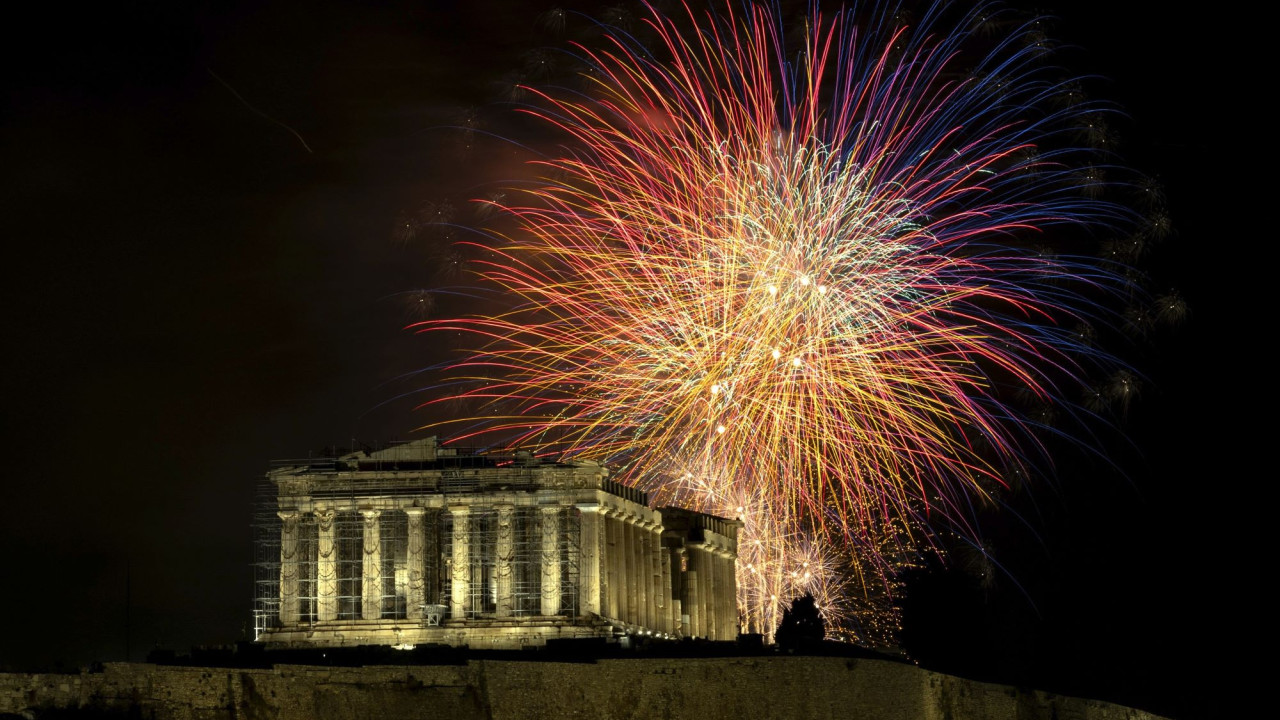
(814,272)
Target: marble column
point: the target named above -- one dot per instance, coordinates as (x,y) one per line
(731,592)
(654,576)
(551,582)
(707,592)
(658,604)
(644,596)
(671,604)
(589,561)
(288,567)
(550,560)
(692,597)
(612,550)
(716,597)
(460,575)
(416,597)
(504,552)
(617,566)
(629,590)
(722,607)
(371,578)
(679,613)
(326,567)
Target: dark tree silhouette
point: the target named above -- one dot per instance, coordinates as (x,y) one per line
(802,624)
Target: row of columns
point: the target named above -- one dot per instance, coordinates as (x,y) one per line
(634,571)
(624,574)
(709,591)
(327,566)
(371,568)
(690,590)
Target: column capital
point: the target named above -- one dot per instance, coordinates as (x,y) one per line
(325,518)
(414,511)
(370,513)
(288,515)
(459,509)
(591,508)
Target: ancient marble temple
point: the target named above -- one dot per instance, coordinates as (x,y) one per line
(420,544)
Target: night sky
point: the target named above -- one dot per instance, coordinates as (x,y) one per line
(194,290)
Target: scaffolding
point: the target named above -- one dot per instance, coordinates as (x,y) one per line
(266,559)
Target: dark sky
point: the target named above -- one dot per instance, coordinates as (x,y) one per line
(192,292)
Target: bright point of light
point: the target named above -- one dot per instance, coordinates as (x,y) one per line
(795,361)
(777,354)
(715,389)
(773,289)
(720,429)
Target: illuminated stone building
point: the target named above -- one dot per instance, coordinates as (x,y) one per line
(422,544)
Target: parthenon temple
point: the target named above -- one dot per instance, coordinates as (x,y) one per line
(423,544)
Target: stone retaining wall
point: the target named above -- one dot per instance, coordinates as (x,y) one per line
(755,688)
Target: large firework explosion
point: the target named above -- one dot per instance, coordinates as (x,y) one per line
(802,280)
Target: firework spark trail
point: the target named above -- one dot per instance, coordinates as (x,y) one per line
(811,274)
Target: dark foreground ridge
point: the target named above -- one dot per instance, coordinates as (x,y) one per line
(517,686)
